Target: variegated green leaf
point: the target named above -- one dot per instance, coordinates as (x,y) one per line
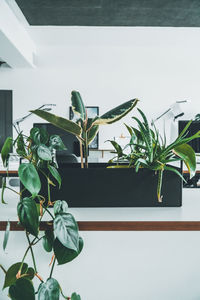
(187,154)
(60,122)
(116,113)
(77,105)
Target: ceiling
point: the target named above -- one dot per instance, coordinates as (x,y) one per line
(177,13)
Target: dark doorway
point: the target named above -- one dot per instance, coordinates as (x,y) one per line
(5,115)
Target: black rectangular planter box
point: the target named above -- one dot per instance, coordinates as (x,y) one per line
(99,186)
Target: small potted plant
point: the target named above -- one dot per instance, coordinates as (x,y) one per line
(61,236)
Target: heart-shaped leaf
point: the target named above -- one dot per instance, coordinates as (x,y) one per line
(65,255)
(44,153)
(60,206)
(10,277)
(66,230)
(55,174)
(48,240)
(56,142)
(49,290)
(22,289)
(28,215)
(30,178)
(75,296)
(39,135)
(6,149)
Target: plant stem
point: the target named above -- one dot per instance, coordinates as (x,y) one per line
(32,254)
(4,270)
(81,153)
(13,190)
(46,209)
(49,194)
(52,267)
(86,150)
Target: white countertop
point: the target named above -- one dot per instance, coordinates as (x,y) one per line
(190,211)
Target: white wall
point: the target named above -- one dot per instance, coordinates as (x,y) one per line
(109,66)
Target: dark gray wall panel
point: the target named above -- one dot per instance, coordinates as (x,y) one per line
(180,13)
(5,115)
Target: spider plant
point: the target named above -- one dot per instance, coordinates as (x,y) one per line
(148,149)
(85,129)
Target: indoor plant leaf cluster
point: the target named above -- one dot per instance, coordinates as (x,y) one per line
(148,149)
(62,238)
(85,129)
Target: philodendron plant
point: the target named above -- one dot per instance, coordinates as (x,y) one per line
(61,236)
(148,149)
(85,129)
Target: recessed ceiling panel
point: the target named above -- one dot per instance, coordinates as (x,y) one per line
(178,13)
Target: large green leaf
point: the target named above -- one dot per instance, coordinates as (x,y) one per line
(60,122)
(60,206)
(55,174)
(186,152)
(6,149)
(66,230)
(22,289)
(47,240)
(75,296)
(49,290)
(77,105)
(44,153)
(30,178)
(65,255)
(116,113)
(6,235)
(28,215)
(10,277)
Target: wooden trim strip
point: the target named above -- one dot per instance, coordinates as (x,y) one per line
(120,226)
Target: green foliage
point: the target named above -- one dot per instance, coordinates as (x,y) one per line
(60,206)
(22,289)
(55,174)
(28,215)
(38,150)
(10,277)
(64,254)
(48,240)
(60,122)
(116,113)
(6,235)
(78,106)
(86,128)
(75,296)
(148,149)
(66,230)
(6,149)
(44,152)
(55,142)
(29,177)
(49,290)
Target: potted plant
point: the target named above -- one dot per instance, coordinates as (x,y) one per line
(61,237)
(85,129)
(149,150)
